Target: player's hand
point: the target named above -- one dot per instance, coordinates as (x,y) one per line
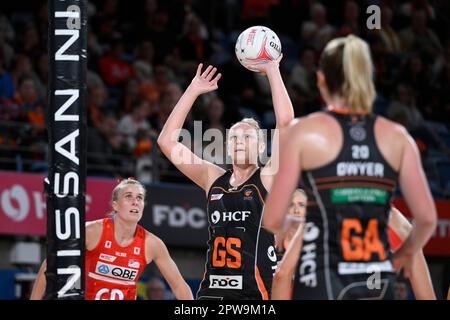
(266,67)
(205,82)
(293,221)
(403,261)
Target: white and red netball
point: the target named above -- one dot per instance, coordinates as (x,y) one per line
(257,45)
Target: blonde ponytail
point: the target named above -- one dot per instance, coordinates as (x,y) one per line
(348,70)
(358,88)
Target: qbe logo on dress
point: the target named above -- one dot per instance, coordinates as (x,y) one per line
(225,282)
(117,272)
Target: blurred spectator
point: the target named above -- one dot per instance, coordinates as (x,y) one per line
(303,75)
(23,66)
(152,90)
(29,104)
(351,20)
(403,106)
(416,75)
(5,49)
(143,65)
(104,144)
(30,42)
(193,43)
(166,104)
(6,81)
(156,290)
(404,111)
(317,31)
(214,110)
(154,27)
(96,104)
(95,50)
(6,28)
(93,80)
(389,37)
(113,68)
(408,8)
(106,22)
(255,10)
(129,124)
(42,23)
(419,37)
(42,64)
(131,94)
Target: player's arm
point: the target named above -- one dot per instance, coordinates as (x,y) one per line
(284,113)
(157,251)
(285,181)
(93,233)
(40,283)
(420,276)
(282,279)
(415,190)
(202,172)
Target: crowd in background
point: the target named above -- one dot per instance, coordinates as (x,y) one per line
(143,54)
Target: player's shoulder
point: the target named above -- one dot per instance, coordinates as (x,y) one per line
(392,130)
(151,238)
(94,230)
(310,121)
(306,128)
(154,245)
(94,224)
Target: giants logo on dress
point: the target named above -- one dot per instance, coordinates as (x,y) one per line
(248,194)
(134,264)
(216,196)
(108,244)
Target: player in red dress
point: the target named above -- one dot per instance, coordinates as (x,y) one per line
(118,250)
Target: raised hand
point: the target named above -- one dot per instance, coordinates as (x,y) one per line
(265,67)
(205,82)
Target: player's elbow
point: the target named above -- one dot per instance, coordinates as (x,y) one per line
(427,221)
(280,274)
(161,140)
(285,120)
(163,143)
(430,220)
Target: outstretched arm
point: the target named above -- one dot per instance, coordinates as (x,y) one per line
(158,252)
(40,283)
(420,276)
(284,112)
(199,171)
(282,279)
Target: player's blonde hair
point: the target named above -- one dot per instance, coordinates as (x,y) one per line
(254,124)
(348,70)
(299,190)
